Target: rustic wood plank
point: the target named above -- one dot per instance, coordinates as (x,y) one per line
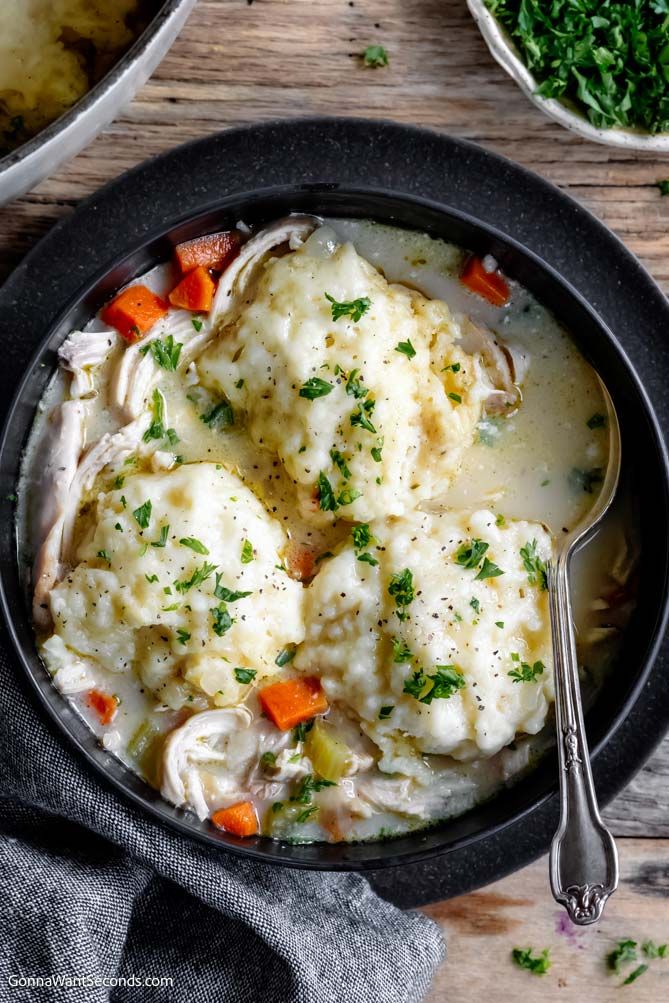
(481,929)
(238,62)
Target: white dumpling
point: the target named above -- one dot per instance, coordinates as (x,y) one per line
(371,412)
(367,644)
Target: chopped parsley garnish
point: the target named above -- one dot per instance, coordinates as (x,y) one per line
(585,480)
(118,526)
(361,416)
(244,676)
(104,556)
(162,539)
(123,501)
(268,758)
(401,651)
(538,964)
(348,495)
(196,545)
(362,536)
(354,385)
(663,186)
(596,421)
(173,438)
(197,323)
(118,482)
(488,570)
(375,56)
(143,514)
(222,621)
(471,554)
(376,451)
(285,655)
(499,623)
(326,496)
(353,309)
(301,730)
(315,387)
(156,429)
(339,460)
(651,950)
(475,604)
(442,684)
(633,976)
(537,572)
(219,416)
(166,353)
(199,576)
(182,635)
(367,558)
(306,814)
(622,954)
(453,368)
(247,552)
(151,578)
(227,595)
(401,589)
(309,786)
(500,520)
(455,397)
(522,672)
(606,56)
(406,348)
(385,712)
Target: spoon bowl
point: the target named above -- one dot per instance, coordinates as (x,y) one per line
(583,857)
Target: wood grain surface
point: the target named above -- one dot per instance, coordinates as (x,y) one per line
(238,61)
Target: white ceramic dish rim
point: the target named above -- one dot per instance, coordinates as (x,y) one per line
(504,51)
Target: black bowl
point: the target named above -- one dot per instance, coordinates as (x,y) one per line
(642,449)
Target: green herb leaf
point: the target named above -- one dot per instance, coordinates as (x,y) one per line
(633,976)
(401,589)
(385,712)
(151,578)
(143,515)
(353,309)
(227,595)
(442,684)
(623,954)
(315,388)
(220,416)
(354,385)
(596,421)
(361,416)
(182,635)
(585,480)
(166,353)
(406,348)
(525,673)
(538,964)
(475,604)
(285,655)
(222,621)
(648,948)
(376,451)
(455,397)
(309,786)
(162,539)
(193,544)
(401,651)
(488,570)
(375,56)
(663,186)
(301,731)
(199,576)
(156,429)
(340,462)
(470,554)
(306,814)
(244,676)
(268,759)
(537,572)
(104,556)
(247,552)
(326,496)
(197,323)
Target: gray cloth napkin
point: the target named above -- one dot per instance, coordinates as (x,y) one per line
(90,887)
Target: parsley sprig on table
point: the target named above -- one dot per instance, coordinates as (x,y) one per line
(609,57)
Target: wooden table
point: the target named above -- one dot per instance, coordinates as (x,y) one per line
(239,61)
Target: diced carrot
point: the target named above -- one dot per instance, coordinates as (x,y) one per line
(293,701)
(104,705)
(195,291)
(490,285)
(300,561)
(215,250)
(239,819)
(134,312)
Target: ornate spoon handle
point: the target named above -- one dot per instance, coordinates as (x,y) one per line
(583,860)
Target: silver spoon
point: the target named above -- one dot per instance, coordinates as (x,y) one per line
(583,858)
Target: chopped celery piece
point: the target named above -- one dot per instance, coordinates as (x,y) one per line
(144,747)
(329,754)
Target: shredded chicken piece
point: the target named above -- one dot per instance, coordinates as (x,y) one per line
(505,365)
(82,351)
(137,373)
(65,435)
(293,230)
(110,448)
(190,745)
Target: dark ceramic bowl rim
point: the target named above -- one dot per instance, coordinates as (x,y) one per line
(279,852)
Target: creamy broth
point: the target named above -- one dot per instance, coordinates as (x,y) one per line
(539,464)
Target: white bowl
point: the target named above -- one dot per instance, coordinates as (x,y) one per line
(504,51)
